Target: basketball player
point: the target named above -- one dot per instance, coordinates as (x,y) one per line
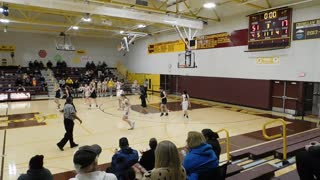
(119,93)
(57,89)
(143,97)
(99,88)
(126,107)
(93,95)
(69,114)
(104,87)
(86,94)
(163,106)
(185,103)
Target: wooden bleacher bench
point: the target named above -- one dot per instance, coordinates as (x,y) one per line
(295,148)
(268,149)
(263,172)
(292,175)
(233,169)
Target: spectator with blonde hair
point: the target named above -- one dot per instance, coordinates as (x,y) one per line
(201,158)
(167,163)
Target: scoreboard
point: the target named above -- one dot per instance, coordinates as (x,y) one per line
(270,29)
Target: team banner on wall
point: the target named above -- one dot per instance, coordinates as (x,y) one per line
(268,60)
(167,47)
(8,48)
(306,30)
(224,39)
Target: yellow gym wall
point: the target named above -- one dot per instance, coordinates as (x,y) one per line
(154,79)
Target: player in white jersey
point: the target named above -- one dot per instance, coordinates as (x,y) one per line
(87,93)
(126,107)
(185,103)
(104,87)
(119,93)
(99,88)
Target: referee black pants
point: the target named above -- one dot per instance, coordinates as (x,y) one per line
(68,136)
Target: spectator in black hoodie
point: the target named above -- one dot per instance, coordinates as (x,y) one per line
(36,170)
(147,158)
(308,162)
(212,139)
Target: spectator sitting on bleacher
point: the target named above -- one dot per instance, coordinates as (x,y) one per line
(36,64)
(88,65)
(31,65)
(21,88)
(49,64)
(308,162)
(69,82)
(212,139)
(19,71)
(63,64)
(19,80)
(92,66)
(147,158)
(201,158)
(9,89)
(41,66)
(167,163)
(86,164)
(58,64)
(123,159)
(36,170)
(34,82)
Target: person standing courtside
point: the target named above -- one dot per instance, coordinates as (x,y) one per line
(163,106)
(69,114)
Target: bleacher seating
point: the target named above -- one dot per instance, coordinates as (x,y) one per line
(263,172)
(292,175)
(269,148)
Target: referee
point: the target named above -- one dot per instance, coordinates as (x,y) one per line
(69,114)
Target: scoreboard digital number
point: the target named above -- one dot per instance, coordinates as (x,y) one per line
(270,29)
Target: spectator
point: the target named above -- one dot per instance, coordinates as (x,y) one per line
(146,85)
(19,81)
(41,66)
(147,159)
(21,88)
(9,89)
(212,139)
(62,83)
(201,157)
(92,66)
(88,65)
(49,64)
(308,162)
(34,82)
(31,65)
(122,160)
(36,64)
(63,64)
(19,71)
(36,170)
(69,82)
(167,163)
(86,164)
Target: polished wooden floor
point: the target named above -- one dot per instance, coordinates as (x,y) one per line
(34,127)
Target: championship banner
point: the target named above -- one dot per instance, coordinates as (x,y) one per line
(8,48)
(268,60)
(167,47)
(306,30)
(224,39)
(81,52)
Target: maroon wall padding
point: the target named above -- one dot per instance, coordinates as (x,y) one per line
(246,92)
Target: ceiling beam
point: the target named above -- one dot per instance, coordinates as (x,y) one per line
(110,11)
(250,5)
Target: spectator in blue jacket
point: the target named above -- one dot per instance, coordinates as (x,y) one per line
(200,158)
(123,159)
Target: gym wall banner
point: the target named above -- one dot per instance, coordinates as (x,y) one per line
(224,39)
(7,48)
(167,47)
(306,30)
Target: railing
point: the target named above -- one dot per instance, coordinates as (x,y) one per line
(283,135)
(227,142)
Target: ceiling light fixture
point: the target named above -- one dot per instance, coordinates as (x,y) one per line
(141,26)
(121,32)
(4,10)
(75,27)
(209,5)
(86,18)
(4,21)
(5,29)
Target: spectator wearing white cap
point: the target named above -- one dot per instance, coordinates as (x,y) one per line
(86,164)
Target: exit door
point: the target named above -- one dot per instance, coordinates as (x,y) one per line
(286,95)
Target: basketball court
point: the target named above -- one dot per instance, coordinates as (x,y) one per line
(248,66)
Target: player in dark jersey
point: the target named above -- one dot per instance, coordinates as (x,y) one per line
(163,106)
